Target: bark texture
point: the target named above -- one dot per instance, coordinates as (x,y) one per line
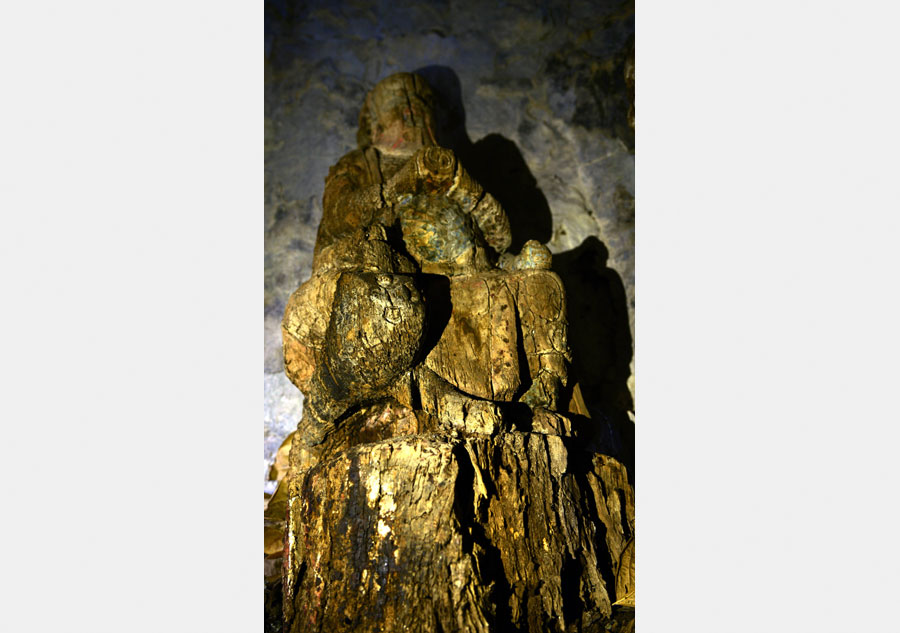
(437,480)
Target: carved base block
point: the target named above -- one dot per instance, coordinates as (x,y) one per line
(433,533)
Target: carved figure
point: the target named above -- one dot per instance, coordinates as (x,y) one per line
(412,297)
(398,156)
(428,489)
(397,212)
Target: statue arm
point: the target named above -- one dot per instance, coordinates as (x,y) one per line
(436,170)
(351,199)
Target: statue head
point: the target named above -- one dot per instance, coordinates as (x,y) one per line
(437,234)
(398,115)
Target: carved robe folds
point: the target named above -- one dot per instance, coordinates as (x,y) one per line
(495,317)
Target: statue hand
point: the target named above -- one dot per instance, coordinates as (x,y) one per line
(436,165)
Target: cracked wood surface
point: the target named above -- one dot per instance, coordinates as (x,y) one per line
(436,480)
(435,533)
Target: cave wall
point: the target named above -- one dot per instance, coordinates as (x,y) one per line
(535,104)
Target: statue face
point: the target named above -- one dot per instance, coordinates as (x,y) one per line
(401,115)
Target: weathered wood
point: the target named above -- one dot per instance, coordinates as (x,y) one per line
(435,533)
(436,481)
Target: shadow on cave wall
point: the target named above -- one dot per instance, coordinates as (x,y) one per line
(601,343)
(599,332)
(494,161)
